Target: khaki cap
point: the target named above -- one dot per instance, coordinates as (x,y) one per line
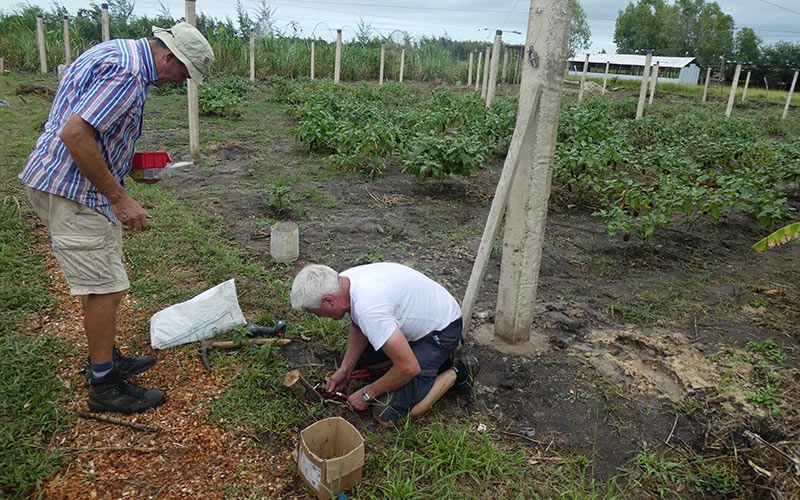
(189,46)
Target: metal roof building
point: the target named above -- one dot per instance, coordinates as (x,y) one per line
(629,66)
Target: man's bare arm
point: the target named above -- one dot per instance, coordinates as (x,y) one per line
(78,137)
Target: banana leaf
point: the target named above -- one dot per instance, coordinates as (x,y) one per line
(779,237)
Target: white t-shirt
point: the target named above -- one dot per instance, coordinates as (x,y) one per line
(386,296)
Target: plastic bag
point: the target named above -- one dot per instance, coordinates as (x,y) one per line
(199,318)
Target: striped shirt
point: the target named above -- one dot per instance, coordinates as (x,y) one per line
(106,86)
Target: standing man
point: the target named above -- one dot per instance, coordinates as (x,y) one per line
(398,316)
(75,181)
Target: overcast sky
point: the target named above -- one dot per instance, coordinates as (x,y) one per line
(773,20)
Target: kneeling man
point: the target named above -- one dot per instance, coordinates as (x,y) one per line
(398,316)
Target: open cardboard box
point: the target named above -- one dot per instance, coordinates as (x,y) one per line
(330,456)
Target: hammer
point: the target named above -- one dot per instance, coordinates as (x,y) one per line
(209,344)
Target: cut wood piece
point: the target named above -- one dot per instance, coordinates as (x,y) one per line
(227,345)
(295,382)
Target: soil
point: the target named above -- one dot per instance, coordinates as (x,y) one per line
(632,341)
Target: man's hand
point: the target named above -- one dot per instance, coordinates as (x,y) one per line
(338,380)
(130,213)
(356,400)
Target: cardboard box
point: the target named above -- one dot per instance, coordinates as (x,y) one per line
(330,456)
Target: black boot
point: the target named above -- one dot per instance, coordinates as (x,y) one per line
(128,367)
(115,393)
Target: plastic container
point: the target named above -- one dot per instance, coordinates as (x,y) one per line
(284,241)
(151,159)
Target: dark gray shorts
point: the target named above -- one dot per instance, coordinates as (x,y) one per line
(433,351)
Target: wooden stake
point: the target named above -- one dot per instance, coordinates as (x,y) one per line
(789,97)
(705,87)
(228,345)
(383,60)
(402,63)
(583,77)
(40,40)
(485,77)
(491,88)
(732,95)
(605,78)
(105,28)
(643,88)
(469,69)
(337,65)
(653,83)
(252,55)
(504,77)
(313,55)
(67,48)
(191,91)
(746,84)
(528,167)
(444,381)
(295,382)
(478,71)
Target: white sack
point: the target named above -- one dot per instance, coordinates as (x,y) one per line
(199,318)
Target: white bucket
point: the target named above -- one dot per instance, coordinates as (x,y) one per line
(284,241)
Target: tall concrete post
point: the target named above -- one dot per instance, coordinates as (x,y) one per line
(486,63)
(478,71)
(313,55)
(519,65)
(491,89)
(2,66)
(766,90)
(402,63)
(469,70)
(746,84)
(104,22)
(252,55)
(525,176)
(67,48)
(40,42)
(583,77)
(383,60)
(789,97)
(504,77)
(643,88)
(605,78)
(191,91)
(337,63)
(705,87)
(653,83)
(732,95)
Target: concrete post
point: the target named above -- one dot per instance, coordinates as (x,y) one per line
(252,55)
(469,69)
(67,48)
(504,77)
(643,88)
(402,63)
(766,90)
(383,59)
(40,41)
(485,78)
(746,84)
(789,97)
(105,28)
(605,78)
(705,87)
(519,65)
(337,65)
(478,71)
(653,83)
(583,77)
(313,55)
(732,95)
(2,66)
(533,144)
(491,89)
(191,91)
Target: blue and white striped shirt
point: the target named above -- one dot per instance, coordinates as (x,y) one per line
(106,86)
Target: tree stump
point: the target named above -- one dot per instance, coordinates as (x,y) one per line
(295,382)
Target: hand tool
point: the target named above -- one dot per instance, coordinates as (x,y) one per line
(360,374)
(209,344)
(261,331)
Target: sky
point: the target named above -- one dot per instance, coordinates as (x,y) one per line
(773,20)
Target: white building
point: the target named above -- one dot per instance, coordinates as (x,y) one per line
(629,67)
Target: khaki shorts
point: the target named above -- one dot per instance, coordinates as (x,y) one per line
(87,246)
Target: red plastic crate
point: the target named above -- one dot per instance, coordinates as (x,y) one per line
(151,159)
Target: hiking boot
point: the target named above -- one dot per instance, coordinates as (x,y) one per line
(117,394)
(128,367)
(467,368)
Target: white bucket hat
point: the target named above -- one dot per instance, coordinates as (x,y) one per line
(189,46)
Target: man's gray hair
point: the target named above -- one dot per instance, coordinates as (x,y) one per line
(312,283)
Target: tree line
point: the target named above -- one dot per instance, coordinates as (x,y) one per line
(700,29)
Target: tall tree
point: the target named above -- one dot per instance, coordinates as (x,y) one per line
(580,34)
(747,46)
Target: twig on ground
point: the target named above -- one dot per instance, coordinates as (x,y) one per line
(117,421)
(672,431)
(140,449)
(794,460)
(523,437)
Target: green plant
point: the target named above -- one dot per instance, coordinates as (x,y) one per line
(278,198)
(770,349)
(766,397)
